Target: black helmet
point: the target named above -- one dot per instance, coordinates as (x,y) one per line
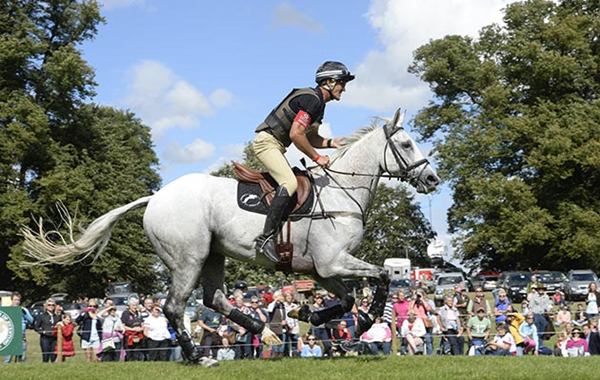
(333,70)
(241,284)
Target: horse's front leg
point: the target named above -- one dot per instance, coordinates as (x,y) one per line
(345,265)
(335,286)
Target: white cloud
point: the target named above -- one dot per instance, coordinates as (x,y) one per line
(198,150)
(165,101)
(234,150)
(285,15)
(382,82)
(221,98)
(217,164)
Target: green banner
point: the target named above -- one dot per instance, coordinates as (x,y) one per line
(11,331)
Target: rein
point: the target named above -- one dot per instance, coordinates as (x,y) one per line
(404,176)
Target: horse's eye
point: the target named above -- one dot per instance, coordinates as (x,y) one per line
(406,145)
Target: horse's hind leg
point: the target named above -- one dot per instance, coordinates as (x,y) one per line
(213,276)
(184,278)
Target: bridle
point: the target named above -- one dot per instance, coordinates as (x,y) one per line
(401,161)
(403,165)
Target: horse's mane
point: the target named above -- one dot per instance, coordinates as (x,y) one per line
(355,137)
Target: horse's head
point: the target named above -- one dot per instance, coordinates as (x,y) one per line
(403,158)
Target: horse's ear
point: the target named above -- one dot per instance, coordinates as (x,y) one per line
(398,118)
(395,124)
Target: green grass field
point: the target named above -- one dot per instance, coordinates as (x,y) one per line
(363,367)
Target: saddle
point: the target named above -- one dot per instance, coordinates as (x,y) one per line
(268,185)
(255,193)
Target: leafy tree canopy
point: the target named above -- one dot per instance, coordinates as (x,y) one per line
(516,128)
(57,146)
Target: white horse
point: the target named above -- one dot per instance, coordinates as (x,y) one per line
(194,223)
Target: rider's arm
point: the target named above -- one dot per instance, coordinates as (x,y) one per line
(320,142)
(298,137)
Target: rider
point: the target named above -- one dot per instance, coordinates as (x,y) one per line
(295,120)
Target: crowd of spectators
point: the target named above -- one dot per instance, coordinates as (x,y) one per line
(463,325)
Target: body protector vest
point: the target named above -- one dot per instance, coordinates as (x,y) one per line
(279,121)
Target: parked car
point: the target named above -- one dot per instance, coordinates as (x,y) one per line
(424,278)
(191,309)
(445,284)
(552,280)
(36,308)
(120,287)
(488,281)
(576,285)
(400,284)
(61,298)
(515,284)
(73,309)
(122,300)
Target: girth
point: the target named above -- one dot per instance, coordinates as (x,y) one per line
(268,184)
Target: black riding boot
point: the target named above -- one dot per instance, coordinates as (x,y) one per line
(267,242)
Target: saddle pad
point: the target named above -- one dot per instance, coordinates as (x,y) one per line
(250,197)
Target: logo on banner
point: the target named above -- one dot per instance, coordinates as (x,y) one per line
(7,330)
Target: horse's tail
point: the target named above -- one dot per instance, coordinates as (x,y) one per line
(42,247)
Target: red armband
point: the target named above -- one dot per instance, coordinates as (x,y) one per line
(316,158)
(303,118)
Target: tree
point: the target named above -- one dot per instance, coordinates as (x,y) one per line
(115,166)
(516,129)
(395,227)
(54,146)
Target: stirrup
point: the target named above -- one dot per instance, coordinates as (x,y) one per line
(260,244)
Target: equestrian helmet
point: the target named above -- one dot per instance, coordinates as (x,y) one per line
(333,70)
(241,284)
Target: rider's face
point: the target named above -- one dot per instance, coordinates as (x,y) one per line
(340,86)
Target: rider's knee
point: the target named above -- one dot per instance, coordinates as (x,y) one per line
(290,186)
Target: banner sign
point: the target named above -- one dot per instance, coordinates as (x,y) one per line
(11,334)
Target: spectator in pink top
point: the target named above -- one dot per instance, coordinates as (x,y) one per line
(401,307)
(379,336)
(577,345)
(563,316)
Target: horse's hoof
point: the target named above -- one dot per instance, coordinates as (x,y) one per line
(301,313)
(208,362)
(269,337)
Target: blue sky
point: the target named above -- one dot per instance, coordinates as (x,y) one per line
(204,74)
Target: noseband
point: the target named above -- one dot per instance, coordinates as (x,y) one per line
(404,167)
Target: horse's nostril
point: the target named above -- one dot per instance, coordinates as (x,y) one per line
(433,180)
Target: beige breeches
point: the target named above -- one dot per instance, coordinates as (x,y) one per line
(271,152)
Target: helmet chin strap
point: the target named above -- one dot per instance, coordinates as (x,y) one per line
(330,87)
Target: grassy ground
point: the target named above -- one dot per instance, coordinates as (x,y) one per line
(393,367)
(366,367)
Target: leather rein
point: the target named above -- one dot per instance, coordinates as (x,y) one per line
(404,176)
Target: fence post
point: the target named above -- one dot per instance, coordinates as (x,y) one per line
(59,342)
(394,336)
